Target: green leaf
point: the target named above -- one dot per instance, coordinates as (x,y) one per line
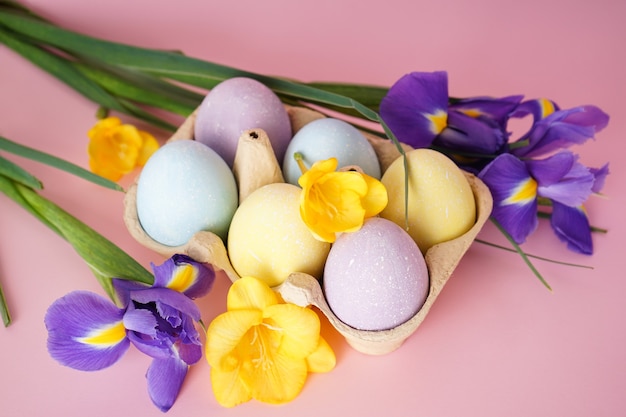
(53,161)
(18,174)
(9,188)
(63,69)
(105,259)
(368,95)
(142,88)
(521,253)
(168,64)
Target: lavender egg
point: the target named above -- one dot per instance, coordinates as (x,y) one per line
(236,105)
(375,278)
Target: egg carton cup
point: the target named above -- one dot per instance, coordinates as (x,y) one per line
(255,165)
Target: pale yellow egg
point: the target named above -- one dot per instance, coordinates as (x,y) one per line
(441,204)
(268,239)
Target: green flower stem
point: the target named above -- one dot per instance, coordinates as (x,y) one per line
(541,258)
(300,161)
(4,309)
(521,253)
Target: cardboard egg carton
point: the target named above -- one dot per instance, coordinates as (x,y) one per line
(255,165)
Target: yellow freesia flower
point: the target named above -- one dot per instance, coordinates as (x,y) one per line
(334,202)
(262,347)
(115,149)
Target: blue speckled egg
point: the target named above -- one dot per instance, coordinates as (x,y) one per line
(236,105)
(327,138)
(375,278)
(185,187)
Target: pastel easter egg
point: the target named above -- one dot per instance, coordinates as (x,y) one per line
(268,239)
(326,138)
(375,278)
(441,204)
(185,187)
(239,104)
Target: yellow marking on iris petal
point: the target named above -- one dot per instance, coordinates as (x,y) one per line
(106,336)
(184,276)
(523,193)
(547,107)
(438,121)
(471,112)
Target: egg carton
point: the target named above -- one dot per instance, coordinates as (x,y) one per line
(255,165)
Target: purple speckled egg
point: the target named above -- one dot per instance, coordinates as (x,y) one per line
(236,105)
(375,278)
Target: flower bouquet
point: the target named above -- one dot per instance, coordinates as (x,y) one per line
(268,340)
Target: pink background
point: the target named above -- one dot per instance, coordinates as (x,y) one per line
(496,343)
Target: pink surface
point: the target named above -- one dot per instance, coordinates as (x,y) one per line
(496,343)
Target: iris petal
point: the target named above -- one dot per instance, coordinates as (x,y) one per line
(551,170)
(415,107)
(514,208)
(165,378)
(469,134)
(572,226)
(181,273)
(177,301)
(562,129)
(498,109)
(189,353)
(538,108)
(77,324)
(600,176)
(155,347)
(140,320)
(572,189)
(123,288)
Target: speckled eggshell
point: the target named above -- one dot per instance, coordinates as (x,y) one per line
(441,202)
(239,104)
(375,278)
(185,187)
(326,138)
(268,239)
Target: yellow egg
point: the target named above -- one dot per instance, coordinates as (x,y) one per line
(268,239)
(441,204)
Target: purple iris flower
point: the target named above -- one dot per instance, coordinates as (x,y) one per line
(554,129)
(88,332)
(418,112)
(516,185)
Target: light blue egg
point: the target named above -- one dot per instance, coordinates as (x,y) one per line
(326,138)
(185,187)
